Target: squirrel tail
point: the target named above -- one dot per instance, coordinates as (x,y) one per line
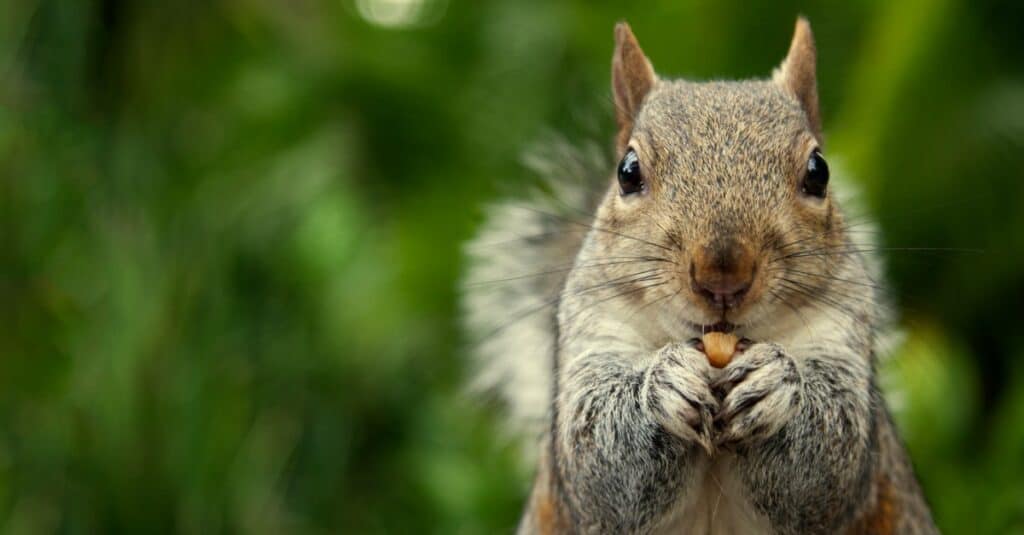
(517,266)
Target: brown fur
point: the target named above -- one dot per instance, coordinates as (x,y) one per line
(883,517)
(546,515)
(549,518)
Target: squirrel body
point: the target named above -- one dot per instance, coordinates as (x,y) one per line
(721,218)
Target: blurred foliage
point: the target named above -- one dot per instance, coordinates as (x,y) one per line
(229,235)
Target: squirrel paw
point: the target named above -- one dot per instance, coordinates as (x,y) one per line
(677,395)
(760,391)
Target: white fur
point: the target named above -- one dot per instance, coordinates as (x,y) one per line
(517,265)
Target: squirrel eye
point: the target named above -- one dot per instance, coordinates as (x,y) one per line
(816,179)
(630,178)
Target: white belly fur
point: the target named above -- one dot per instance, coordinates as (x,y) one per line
(717,504)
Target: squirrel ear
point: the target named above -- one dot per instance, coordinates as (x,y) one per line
(632,78)
(797,73)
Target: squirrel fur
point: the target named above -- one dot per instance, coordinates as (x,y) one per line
(589,339)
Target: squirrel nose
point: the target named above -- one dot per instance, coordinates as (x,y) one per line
(724,294)
(722,274)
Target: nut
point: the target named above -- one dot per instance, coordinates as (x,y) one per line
(719,347)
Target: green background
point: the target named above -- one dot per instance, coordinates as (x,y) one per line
(230,238)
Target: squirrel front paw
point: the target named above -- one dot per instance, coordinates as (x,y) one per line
(760,391)
(677,394)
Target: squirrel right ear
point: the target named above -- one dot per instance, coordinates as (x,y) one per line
(632,78)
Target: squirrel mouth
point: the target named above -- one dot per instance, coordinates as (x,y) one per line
(720,327)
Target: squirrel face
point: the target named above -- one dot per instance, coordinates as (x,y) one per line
(727,181)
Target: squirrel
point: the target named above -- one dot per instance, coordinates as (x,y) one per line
(719,217)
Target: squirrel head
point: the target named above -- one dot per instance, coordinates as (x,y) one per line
(726,181)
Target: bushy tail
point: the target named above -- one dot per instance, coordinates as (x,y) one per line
(518,264)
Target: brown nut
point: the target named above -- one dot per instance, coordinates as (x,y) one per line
(719,347)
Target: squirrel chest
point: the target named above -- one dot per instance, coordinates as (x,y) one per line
(717,505)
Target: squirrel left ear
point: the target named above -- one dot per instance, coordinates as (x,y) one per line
(797,73)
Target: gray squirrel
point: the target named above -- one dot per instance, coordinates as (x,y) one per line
(718,217)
